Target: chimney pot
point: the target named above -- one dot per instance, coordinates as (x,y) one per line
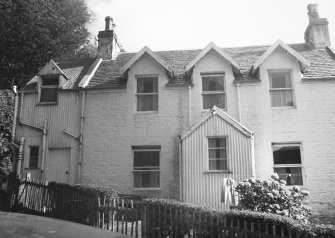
(313,11)
(108,19)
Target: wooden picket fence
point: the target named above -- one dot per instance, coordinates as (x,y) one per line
(120,214)
(164,220)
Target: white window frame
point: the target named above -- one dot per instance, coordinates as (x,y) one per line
(224,159)
(142,169)
(296,144)
(48,87)
(221,74)
(155,77)
(289,71)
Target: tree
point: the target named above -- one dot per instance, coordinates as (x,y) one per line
(35,31)
(272,195)
(6,117)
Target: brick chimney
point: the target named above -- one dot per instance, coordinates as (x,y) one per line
(316,34)
(105,39)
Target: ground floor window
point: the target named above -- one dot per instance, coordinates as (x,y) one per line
(217,153)
(287,163)
(146,170)
(33,157)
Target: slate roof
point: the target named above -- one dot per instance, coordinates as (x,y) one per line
(322,65)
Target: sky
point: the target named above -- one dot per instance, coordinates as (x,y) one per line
(192,24)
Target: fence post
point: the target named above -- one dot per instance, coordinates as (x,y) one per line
(144,221)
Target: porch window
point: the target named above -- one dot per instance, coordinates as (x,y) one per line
(146,168)
(147,94)
(49,88)
(281,90)
(287,163)
(33,157)
(217,153)
(213,91)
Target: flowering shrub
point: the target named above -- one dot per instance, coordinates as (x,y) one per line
(273,196)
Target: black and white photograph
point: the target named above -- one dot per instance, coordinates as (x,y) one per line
(167,118)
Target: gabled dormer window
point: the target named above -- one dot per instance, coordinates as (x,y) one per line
(281,89)
(49,88)
(213,90)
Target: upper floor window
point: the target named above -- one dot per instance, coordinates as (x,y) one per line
(287,163)
(146,173)
(213,91)
(281,90)
(49,88)
(33,157)
(217,153)
(147,94)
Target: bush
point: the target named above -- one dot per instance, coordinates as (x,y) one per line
(273,196)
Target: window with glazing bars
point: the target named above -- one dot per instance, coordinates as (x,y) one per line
(49,89)
(217,153)
(287,163)
(146,168)
(33,157)
(281,90)
(147,94)
(213,91)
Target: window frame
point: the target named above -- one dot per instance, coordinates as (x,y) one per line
(216,92)
(286,70)
(143,149)
(290,144)
(146,76)
(224,159)
(37,157)
(47,77)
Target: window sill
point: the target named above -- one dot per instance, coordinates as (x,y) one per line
(146,189)
(217,171)
(146,112)
(47,104)
(284,108)
(32,168)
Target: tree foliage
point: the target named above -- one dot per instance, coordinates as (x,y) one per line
(35,31)
(273,196)
(6,117)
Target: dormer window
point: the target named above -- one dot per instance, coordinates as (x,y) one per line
(49,88)
(213,91)
(281,89)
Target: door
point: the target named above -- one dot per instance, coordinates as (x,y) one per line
(58,165)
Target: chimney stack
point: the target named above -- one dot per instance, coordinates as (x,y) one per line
(316,34)
(105,39)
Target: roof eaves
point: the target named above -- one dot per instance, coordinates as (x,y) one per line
(139,54)
(209,47)
(217,111)
(90,73)
(304,63)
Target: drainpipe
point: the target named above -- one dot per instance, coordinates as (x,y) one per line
(80,160)
(238,101)
(180,171)
(189,106)
(20,116)
(19,159)
(44,145)
(253,164)
(16,100)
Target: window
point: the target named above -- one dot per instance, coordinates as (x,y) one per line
(146,167)
(147,94)
(217,153)
(49,88)
(33,157)
(281,91)
(213,91)
(287,163)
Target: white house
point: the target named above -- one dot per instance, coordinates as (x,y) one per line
(175,123)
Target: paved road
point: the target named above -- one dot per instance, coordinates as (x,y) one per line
(17,225)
